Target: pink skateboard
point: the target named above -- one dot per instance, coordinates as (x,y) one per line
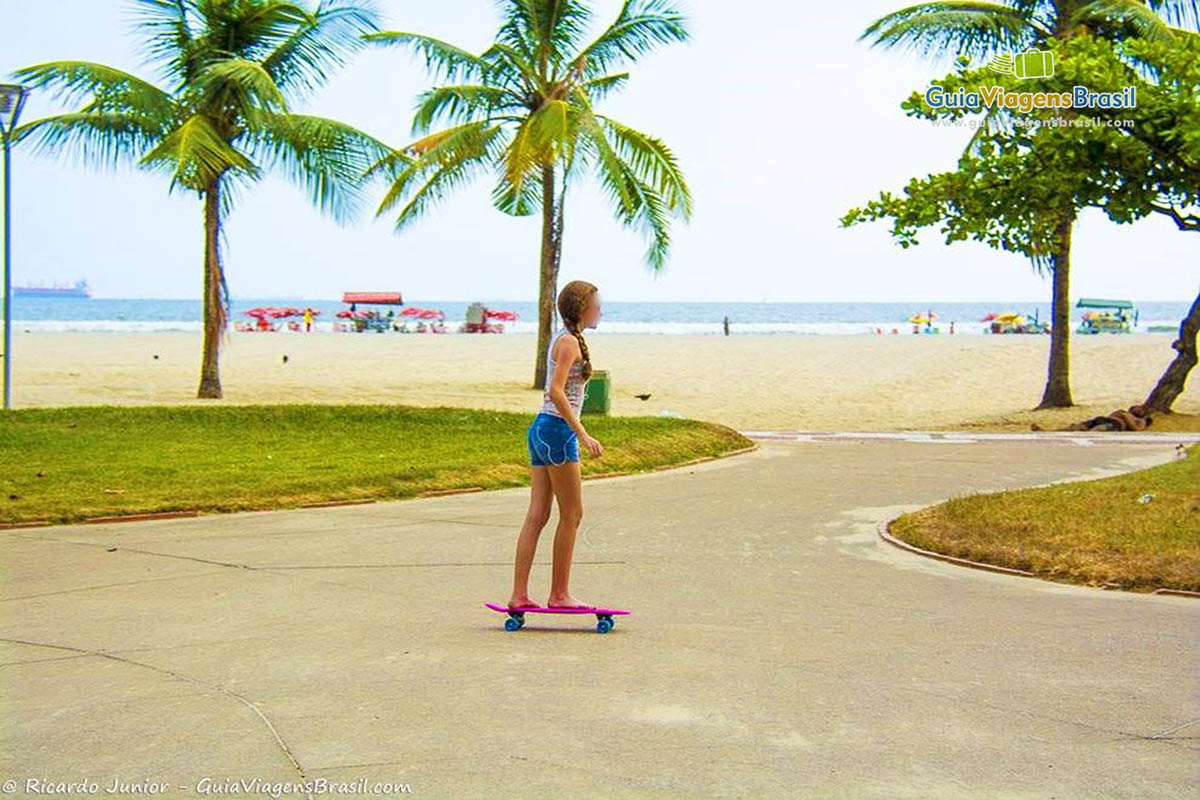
(516,616)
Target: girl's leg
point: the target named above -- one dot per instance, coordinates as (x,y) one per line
(536,518)
(565,480)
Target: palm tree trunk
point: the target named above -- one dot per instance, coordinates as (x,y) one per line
(1170,385)
(552,220)
(1058,380)
(214,309)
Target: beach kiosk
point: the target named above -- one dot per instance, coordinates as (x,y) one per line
(370,320)
(1109,316)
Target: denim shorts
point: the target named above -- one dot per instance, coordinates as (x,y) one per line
(551,441)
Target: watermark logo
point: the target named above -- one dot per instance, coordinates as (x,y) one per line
(1030,64)
(998,97)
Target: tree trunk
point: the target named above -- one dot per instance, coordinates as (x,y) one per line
(214,308)
(1058,380)
(1170,385)
(552,221)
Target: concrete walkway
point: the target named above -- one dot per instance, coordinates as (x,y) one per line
(777,647)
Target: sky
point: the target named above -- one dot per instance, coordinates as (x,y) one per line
(780,118)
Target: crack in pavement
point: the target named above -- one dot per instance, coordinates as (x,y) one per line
(180,676)
(1164,735)
(266,567)
(39,660)
(102,586)
(418,564)
(1180,726)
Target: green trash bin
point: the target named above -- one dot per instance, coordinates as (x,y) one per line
(597,397)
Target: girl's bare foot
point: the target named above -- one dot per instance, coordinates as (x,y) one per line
(521,601)
(566,601)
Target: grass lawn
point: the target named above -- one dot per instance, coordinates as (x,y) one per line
(67,464)
(1089,532)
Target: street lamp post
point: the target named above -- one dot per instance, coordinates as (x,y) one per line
(12,97)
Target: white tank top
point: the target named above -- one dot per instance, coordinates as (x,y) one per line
(576,386)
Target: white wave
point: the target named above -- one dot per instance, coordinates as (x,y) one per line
(521,327)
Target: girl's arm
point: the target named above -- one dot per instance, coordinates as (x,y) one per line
(566,353)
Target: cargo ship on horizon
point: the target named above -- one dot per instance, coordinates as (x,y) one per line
(79,290)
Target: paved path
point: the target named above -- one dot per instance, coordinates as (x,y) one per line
(777,648)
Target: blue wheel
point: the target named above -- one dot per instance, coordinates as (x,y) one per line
(604,625)
(512,624)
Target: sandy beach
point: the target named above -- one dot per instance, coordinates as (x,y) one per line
(746,381)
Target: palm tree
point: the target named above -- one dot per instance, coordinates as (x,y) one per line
(525,109)
(233,69)
(985,29)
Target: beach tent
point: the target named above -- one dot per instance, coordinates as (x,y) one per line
(1096,302)
(373,298)
(1107,320)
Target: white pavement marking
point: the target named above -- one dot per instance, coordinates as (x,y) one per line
(940,437)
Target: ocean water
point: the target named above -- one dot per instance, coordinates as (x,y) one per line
(131,315)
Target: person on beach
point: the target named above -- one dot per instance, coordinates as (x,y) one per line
(307,320)
(1136,418)
(553,439)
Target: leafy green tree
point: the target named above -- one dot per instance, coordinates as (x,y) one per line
(232,69)
(985,29)
(1168,123)
(525,109)
(1010,188)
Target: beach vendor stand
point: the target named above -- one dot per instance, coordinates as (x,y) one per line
(370,320)
(1112,316)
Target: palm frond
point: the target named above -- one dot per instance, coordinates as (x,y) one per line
(518,200)
(653,163)
(97,138)
(1183,13)
(546,28)
(599,88)
(652,220)
(166,29)
(441,162)
(511,38)
(541,138)
(640,26)
(448,177)
(610,169)
(236,83)
(108,88)
(521,157)
(390,165)
(1141,20)
(510,68)
(441,58)
(235,187)
(637,205)
(304,60)
(463,103)
(948,28)
(325,157)
(195,154)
